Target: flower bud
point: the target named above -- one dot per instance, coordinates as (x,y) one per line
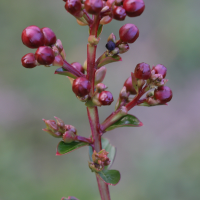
(110,3)
(70,128)
(160,69)
(59,45)
(93,6)
(58,61)
(123,48)
(119,13)
(32,37)
(134,8)
(69,137)
(29,61)
(78,66)
(73,7)
(128,33)
(49,36)
(123,93)
(60,124)
(112,38)
(81,86)
(156,77)
(142,71)
(163,94)
(52,128)
(129,86)
(105,20)
(100,74)
(55,50)
(106,98)
(151,102)
(45,55)
(101,87)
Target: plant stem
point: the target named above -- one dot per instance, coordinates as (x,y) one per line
(96,135)
(71,69)
(92,112)
(134,102)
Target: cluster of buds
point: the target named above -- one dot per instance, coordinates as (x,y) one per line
(106,10)
(59,129)
(100,160)
(141,81)
(49,50)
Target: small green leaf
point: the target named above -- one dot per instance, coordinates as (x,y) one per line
(109,148)
(100,29)
(64,148)
(104,59)
(111,177)
(126,121)
(62,71)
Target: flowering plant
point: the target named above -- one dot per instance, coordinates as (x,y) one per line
(144,87)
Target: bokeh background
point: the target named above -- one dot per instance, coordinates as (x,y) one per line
(159,161)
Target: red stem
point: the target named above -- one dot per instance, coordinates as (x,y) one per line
(83,139)
(92,112)
(115,116)
(134,102)
(71,69)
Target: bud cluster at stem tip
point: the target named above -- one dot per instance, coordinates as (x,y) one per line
(106,9)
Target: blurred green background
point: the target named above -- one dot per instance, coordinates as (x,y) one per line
(159,161)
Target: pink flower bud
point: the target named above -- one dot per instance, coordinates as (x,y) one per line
(128,33)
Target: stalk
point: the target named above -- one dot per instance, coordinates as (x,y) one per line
(92,112)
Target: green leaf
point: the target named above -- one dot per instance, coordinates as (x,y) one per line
(62,71)
(111,177)
(109,148)
(100,29)
(104,59)
(126,121)
(64,148)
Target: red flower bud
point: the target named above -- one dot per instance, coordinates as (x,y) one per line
(44,55)
(119,13)
(134,8)
(142,71)
(81,86)
(78,66)
(32,37)
(29,60)
(163,93)
(129,86)
(73,7)
(68,137)
(106,98)
(49,36)
(128,33)
(160,69)
(93,6)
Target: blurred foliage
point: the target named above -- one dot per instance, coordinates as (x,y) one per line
(160,160)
